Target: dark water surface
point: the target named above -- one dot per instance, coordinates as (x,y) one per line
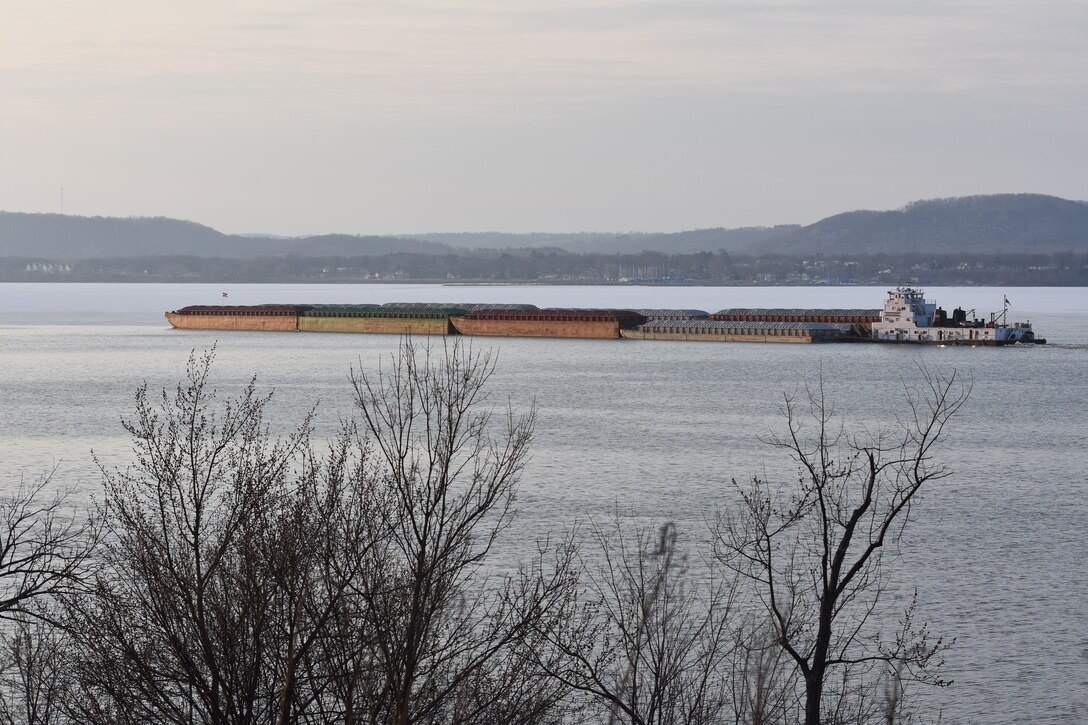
(998,551)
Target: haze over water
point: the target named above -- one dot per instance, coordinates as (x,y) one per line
(996,551)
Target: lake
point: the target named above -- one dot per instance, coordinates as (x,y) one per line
(997,551)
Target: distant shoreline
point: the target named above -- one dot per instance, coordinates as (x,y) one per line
(539,283)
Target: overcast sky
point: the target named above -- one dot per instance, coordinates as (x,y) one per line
(400,116)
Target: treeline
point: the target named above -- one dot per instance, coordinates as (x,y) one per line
(554,266)
(230,576)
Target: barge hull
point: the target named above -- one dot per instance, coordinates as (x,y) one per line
(377,325)
(248,323)
(790,339)
(597,330)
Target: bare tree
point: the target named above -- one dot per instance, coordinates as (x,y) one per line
(248,579)
(45,549)
(35,680)
(46,553)
(444,641)
(762,680)
(228,552)
(649,644)
(817,552)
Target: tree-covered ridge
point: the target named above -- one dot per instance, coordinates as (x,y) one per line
(1001,223)
(61,237)
(997,223)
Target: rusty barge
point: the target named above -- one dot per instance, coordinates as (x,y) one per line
(906,318)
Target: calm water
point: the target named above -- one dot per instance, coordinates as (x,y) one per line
(997,552)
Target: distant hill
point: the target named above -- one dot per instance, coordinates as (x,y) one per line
(975,224)
(508,240)
(997,223)
(689,242)
(57,236)
(698,240)
(346,245)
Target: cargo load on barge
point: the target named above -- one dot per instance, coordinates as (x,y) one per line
(836,317)
(655,314)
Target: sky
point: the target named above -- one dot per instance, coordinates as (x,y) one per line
(410,116)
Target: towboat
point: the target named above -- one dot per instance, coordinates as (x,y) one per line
(909,318)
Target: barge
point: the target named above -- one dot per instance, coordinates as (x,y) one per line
(383,320)
(738,331)
(575,323)
(907,317)
(252,318)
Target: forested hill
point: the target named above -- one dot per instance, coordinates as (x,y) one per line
(686,242)
(999,223)
(1003,223)
(62,237)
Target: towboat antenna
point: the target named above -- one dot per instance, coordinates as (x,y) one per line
(1003,315)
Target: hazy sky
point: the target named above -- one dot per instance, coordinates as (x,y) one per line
(379,116)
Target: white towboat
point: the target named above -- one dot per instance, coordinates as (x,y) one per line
(908,317)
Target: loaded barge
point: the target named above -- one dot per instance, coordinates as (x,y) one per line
(907,317)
